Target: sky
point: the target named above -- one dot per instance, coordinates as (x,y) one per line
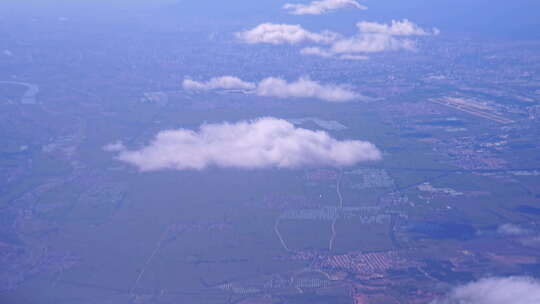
(493,19)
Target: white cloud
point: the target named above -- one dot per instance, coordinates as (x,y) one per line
(225,82)
(321,7)
(114,147)
(317,51)
(514,290)
(524,236)
(304,88)
(512,230)
(532,241)
(278,87)
(284,34)
(371,43)
(353,57)
(395,28)
(261,143)
(373,37)
(362,44)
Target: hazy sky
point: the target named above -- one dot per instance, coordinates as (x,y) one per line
(494,18)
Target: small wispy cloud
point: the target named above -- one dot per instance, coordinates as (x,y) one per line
(512,230)
(371,43)
(321,7)
(304,87)
(284,34)
(522,235)
(114,147)
(225,82)
(395,28)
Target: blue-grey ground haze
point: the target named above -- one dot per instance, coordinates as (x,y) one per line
(221,152)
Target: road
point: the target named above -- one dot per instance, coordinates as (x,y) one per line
(29,96)
(340,207)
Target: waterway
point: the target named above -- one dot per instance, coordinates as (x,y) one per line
(29,96)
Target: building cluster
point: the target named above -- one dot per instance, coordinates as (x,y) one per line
(467,152)
(364,265)
(321,175)
(427,187)
(365,215)
(371,178)
(534,112)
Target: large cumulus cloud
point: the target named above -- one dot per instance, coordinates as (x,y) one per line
(261,143)
(510,290)
(321,7)
(278,87)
